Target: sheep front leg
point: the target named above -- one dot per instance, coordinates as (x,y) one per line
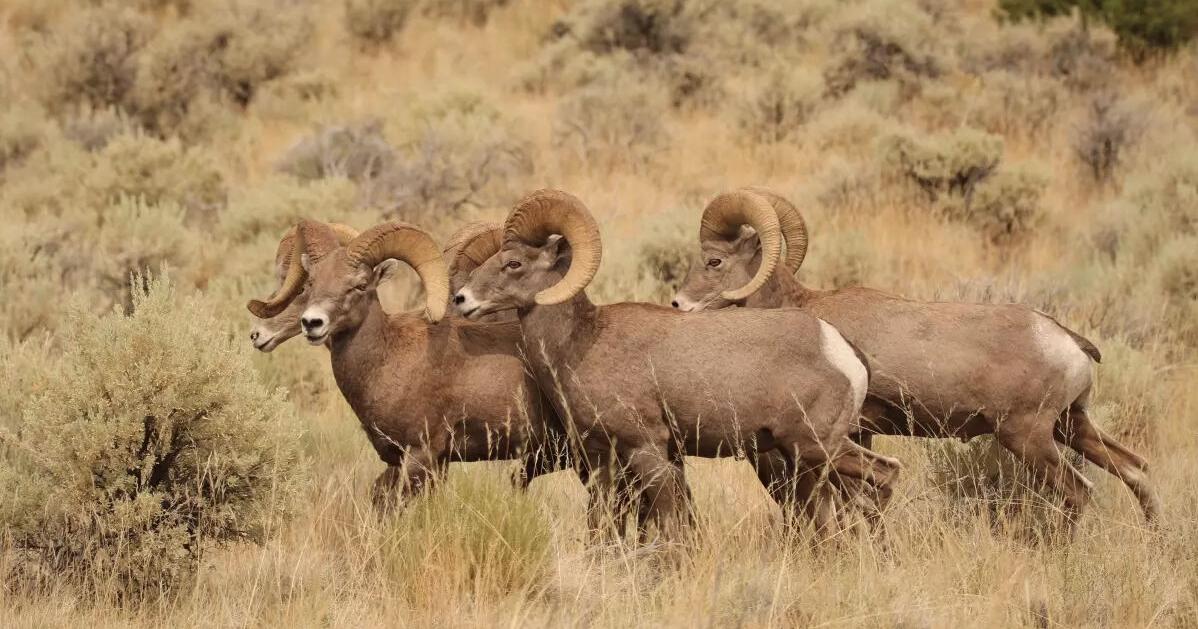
(420,469)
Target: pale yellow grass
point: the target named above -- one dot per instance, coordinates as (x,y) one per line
(945,565)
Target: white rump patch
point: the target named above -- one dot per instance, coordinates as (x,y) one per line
(1062,352)
(841,355)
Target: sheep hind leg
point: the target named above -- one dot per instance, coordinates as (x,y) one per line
(872,500)
(609,501)
(1030,438)
(1075,429)
(802,490)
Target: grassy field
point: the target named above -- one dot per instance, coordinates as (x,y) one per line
(934,152)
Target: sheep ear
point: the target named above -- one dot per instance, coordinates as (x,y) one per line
(386,270)
(747,241)
(557,250)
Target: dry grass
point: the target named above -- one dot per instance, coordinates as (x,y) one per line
(1109,259)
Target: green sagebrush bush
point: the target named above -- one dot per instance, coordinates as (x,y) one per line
(780,105)
(958,172)
(137,165)
(150,442)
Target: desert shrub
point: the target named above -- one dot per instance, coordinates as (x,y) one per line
(476,12)
(1175,271)
(950,163)
(93,128)
(1166,194)
(667,259)
(782,102)
(1005,206)
(279,203)
(21,131)
(137,235)
(1110,129)
(151,443)
(356,152)
(849,127)
(375,22)
(610,125)
(158,170)
(91,58)
(1128,392)
(892,40)
(32,288)
(225,54)
(1016,104)
(845,185)
(846,259)
(1080,56)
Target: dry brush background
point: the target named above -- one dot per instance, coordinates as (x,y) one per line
(935,152)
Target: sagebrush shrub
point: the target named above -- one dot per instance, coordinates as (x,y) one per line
(782,102)
(892,40)
(1110,129)
(151,443)
(375,22)
(224,54)
(1016,104)
(93,128)
(91,58)
(21,131)
(280,202)
(948,163)
(475,12)
(158,170)
(1004,206)
(609,124)
(356,152)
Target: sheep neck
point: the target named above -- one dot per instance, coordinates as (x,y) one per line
(558,332)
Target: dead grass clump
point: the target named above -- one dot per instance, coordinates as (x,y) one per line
(375,22)
(91,58)
(151,443)
(1109,131)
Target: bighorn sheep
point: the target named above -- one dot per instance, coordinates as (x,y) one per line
(940,369)
(426,393)
(647,385)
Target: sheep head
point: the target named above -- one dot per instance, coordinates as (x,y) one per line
(740,246)
(549,251)
(267,333)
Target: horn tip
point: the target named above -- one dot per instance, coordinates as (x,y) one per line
(259,309)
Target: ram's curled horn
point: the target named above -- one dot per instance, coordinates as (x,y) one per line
(412,246)
(305,237)
(344,233)
(723,219)
(547,212)
(794,228)
(468,248)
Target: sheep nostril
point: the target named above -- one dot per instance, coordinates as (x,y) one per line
(674,303)
(457,299)
(254,335)
(310,323)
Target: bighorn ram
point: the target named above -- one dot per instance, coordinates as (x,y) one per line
(426,393)
(646,385)
(940,369)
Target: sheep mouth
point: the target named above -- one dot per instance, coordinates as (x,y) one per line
(317,339)
(470,314)
(267,344)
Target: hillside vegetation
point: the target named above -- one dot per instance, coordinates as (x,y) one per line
(155,470)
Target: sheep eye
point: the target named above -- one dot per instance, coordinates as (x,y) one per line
(360,287)
(715,263)
(512,264)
